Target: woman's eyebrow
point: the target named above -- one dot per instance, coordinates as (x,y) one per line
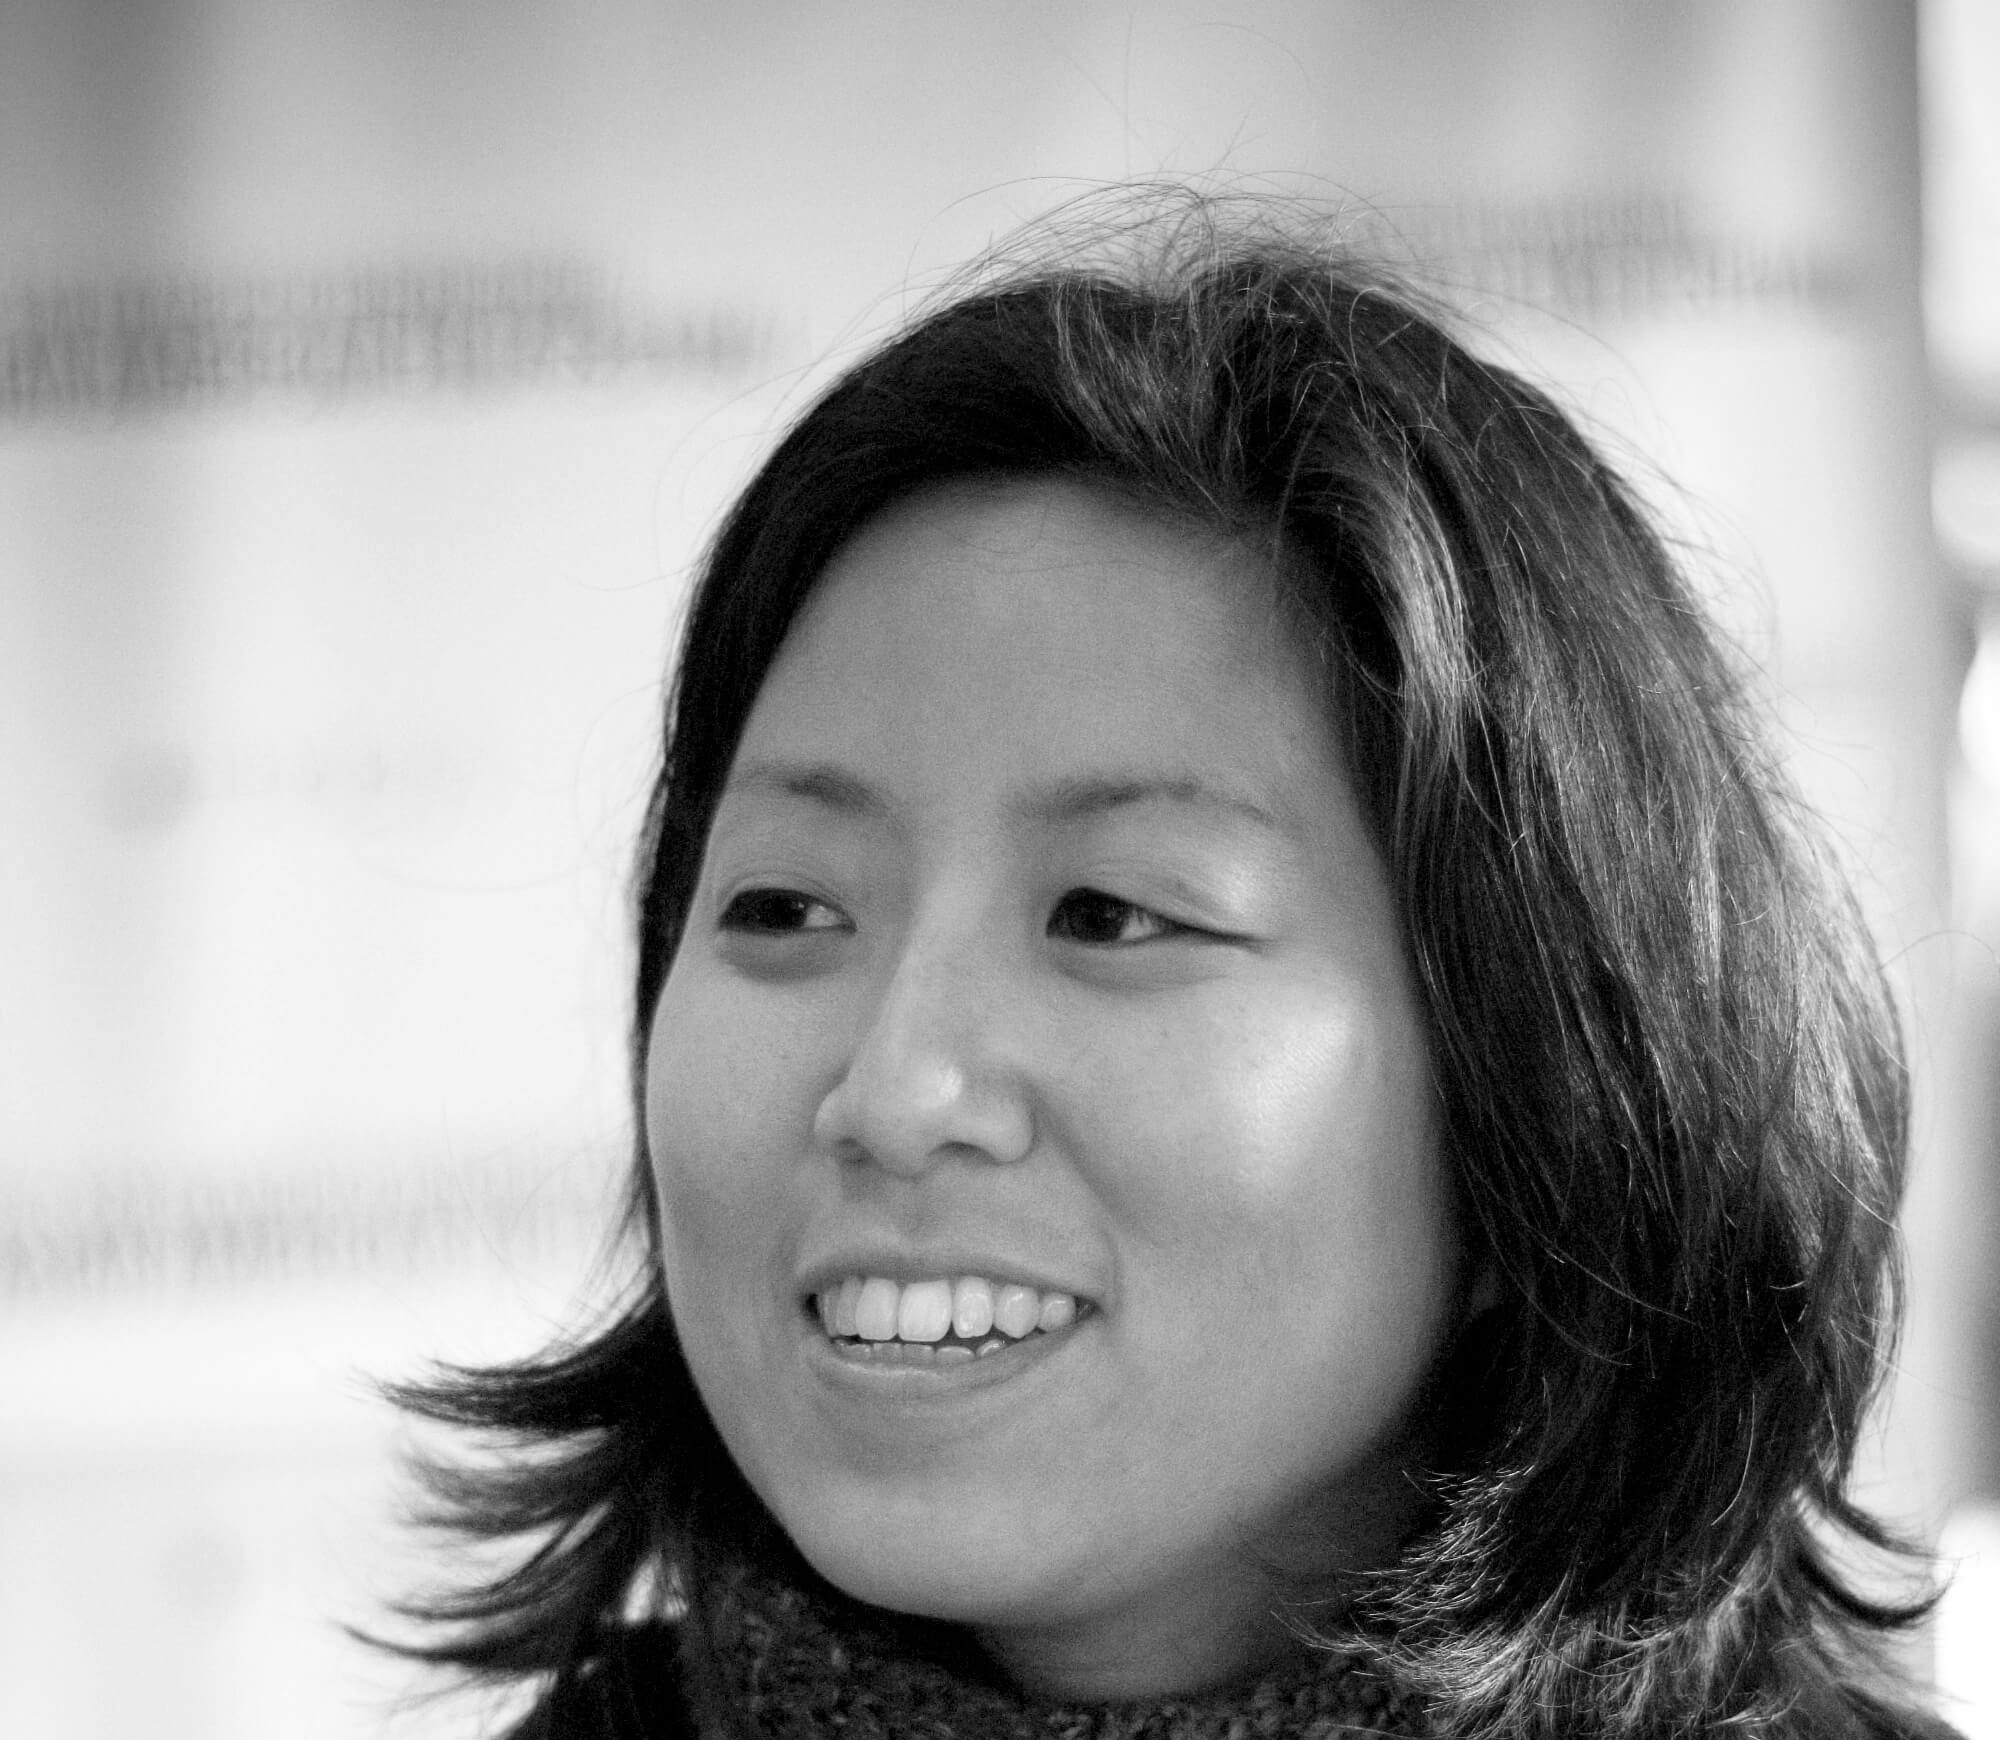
(1081,798)
(817,782)
(1075,799)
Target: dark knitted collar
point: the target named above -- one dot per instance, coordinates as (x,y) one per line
(783,1663)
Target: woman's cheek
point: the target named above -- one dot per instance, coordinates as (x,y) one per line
(694,1077)
(1302,1146)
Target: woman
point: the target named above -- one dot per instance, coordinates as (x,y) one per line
(1257,1116)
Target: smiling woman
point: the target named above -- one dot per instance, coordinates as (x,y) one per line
(1002,1002)
(1256,1117)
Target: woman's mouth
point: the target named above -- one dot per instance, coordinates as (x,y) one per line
(870,1318)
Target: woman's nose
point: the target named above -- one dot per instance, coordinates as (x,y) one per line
(930,1077)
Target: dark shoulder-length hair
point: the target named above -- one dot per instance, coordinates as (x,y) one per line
(1673,1093)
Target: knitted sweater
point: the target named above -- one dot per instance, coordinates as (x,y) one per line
(774,1662)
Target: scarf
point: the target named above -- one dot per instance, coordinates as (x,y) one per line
(782,1663)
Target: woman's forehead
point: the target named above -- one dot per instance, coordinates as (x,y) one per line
(1048,639)
(1006,555)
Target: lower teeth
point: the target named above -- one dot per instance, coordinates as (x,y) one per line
(923,1352)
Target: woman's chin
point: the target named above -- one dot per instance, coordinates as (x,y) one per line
(1072,1630)
(921,1581)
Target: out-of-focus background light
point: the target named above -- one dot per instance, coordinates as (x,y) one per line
(1965,496)
(369,377)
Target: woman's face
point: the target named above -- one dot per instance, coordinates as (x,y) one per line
(1048,1161)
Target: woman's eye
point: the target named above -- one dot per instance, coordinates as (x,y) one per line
(778,911)
(1088,915)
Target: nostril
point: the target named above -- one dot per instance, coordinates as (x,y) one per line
(910,1112)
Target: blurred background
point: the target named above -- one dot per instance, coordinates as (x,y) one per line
(369,378)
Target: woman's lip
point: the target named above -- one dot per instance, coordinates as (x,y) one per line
(882,1382)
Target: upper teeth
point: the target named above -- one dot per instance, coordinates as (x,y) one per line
(876,1308)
